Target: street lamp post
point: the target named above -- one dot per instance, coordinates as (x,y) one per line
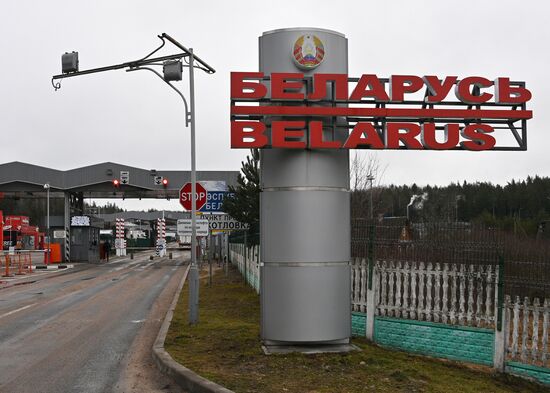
(370,178)
(47,188)
(193,270)
(172,67)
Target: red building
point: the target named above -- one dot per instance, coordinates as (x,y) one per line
(18,232)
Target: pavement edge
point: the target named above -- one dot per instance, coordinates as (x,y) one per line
(184,377)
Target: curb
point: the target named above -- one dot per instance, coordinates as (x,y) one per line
(53,267)
(184,377)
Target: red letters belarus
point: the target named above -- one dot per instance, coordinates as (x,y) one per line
(287,110)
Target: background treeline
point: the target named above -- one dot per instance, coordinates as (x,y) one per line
(520,206)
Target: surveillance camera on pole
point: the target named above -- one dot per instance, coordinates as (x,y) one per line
(69,62)
(172,71)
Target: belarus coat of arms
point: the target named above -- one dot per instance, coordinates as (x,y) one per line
(308,51)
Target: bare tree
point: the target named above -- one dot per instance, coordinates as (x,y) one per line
(366,174)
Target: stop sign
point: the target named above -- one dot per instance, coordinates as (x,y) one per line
(200,196)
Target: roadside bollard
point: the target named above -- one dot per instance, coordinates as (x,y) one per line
(226,266)
(151,257)
(131,255)
(170,255)
(19,265)
(7,273)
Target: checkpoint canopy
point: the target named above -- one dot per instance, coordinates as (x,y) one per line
(23,180)
(105,180)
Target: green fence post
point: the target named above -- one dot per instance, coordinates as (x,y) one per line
(501,334)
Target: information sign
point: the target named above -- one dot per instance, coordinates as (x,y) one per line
(125,177)
(184,227)
(223,222)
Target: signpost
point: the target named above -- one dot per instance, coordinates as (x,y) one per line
(200,196)
(223,222)
(80,221)
(184,227)
(214,201)
(125,177)
(384,114)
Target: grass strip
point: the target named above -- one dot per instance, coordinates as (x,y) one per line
(225,348)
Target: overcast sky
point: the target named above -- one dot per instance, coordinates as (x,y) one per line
(133,118)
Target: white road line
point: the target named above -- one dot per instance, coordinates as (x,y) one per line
(16,310)
(34,274)
(138,321)
(126,266)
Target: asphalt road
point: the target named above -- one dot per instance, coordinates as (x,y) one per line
(89,329)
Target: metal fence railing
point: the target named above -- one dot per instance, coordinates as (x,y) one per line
(526,262)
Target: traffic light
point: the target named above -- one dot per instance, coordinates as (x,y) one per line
(116,183)
(165,182)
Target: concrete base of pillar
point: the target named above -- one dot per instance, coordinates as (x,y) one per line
(309,349)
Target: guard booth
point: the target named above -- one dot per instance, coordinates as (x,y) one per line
(85,238)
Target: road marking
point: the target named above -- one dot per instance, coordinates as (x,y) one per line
(34,274)
(126,266)
(117,260)
(138,321)
(16,310)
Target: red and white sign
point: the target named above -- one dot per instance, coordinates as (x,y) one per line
(17,222)
(380,113)
(120,241)
(201,196)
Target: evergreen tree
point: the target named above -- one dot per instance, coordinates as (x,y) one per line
(244,205)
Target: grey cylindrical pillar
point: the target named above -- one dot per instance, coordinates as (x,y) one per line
(304,219)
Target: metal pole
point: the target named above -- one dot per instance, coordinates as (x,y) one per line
(48,223)
(210,263)
(245,257)
(193,271)
(67,222)
(228,253)
(371,208)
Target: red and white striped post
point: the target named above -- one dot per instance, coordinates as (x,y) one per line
(120,241)
(161,237)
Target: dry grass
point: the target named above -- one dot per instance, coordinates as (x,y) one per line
(225,347)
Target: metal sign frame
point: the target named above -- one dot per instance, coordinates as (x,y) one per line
(343,115)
